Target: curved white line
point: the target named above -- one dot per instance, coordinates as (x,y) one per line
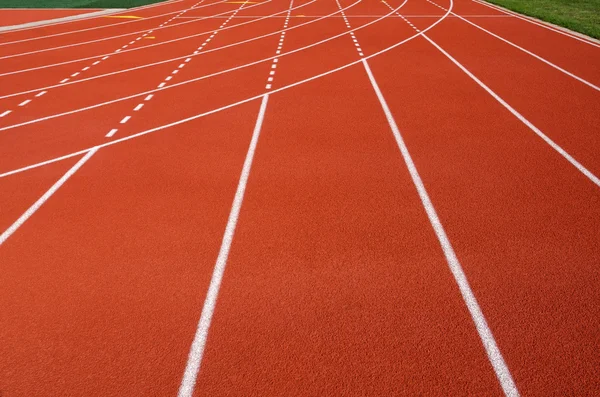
(232,105)
(129,34)
(134,9)
(539,58)
(144,19)
(148,46)
(186,56)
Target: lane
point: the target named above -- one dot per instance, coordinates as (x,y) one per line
(523,221)
(102,285)
(568,113)
(575,56)
(119,288)
(149,49)
(61,134)
(308,306)
(93,23)
(66,54)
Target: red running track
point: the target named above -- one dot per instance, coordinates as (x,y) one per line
(300,198)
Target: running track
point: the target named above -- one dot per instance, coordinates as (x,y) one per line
(306,197)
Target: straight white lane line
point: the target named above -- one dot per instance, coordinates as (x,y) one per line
(13,228)
(487,338)
(522,118)
(188,382)
(539,58)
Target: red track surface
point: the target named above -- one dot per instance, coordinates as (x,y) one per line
(383,200)
(18,16)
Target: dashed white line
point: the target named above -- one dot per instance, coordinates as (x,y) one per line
(125,119)
(40,94)
(138,107)
(6,113)
(64,81)
(111,132)
(149,97)
(25,102)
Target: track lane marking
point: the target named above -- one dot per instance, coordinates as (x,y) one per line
(190,375)
(107,57)
(148,46)
(540,23)
(96,17)
(487,338)
(225,107)
(168,78)
(31,210)
(162,26)
(539,58)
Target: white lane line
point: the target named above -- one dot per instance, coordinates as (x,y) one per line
(75,74)
(31,210)
(165,61)
(95,17)
(188,382)
(111,133)
(106,38)
(40,94)
(186,389)
(487,338)
(64,81)
(168,78)
(125,119)
(162,43)
(160,87)
(149,97)
(95,63)
(6,113)
(212,111)
(539,58)
(545,25)
(25,102)
(518,115)
(138,107)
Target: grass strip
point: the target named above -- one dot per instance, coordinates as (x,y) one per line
(582,16)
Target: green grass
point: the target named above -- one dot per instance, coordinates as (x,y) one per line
(579,15)
(75,3)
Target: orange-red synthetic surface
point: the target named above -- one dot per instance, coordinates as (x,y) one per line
(253,198)
(9,17)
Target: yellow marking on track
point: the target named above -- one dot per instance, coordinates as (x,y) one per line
(150,38)
(123,16)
